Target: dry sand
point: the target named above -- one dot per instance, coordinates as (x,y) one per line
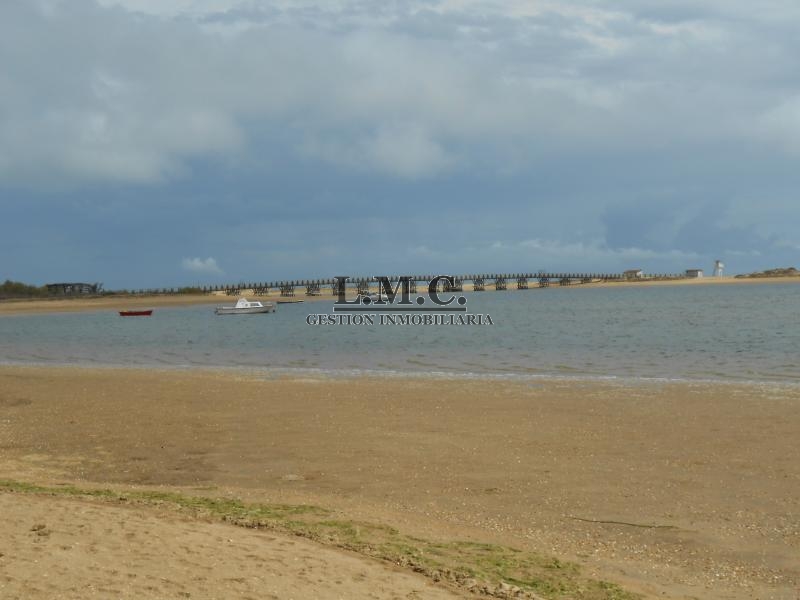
(109,303)
(671,490)
(60,548)
(117,303)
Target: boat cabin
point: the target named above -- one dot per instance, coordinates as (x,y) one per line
(245,303)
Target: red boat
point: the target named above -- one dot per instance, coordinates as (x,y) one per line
(135,313)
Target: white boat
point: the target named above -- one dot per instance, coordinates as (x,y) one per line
(244,307)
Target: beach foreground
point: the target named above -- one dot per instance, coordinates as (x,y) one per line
(672,490)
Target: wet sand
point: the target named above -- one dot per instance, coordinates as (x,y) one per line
(669,489)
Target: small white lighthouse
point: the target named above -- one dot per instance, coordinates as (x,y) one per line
(718,266)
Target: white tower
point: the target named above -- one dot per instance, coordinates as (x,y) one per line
(718,266)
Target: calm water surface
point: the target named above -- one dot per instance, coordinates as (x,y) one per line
(730,332)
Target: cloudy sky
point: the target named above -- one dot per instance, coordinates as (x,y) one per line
(154,143)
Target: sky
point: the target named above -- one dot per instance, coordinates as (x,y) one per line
(146,143)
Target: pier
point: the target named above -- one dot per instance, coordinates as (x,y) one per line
(480,282)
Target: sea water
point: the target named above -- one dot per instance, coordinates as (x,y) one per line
(698,332)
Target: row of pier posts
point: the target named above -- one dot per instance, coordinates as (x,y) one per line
(362,286)
(480,282)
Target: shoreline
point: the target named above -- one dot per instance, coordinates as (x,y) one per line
(339,374)
(658,488)
(10,307)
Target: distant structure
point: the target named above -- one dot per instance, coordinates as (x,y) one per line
(718,266)
(73,289)
(694,273)
(633,274)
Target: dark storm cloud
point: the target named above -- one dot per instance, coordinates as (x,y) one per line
(439,135)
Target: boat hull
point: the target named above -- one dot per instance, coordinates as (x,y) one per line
(223,310)
(135,313)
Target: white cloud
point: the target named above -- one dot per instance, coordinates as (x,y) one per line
(411,90)
(199,265)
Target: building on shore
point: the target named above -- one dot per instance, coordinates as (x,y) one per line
(694,273)
(73,289)
(633,274)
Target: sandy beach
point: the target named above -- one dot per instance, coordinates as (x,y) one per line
(57,548)
(669,490)
(109,303)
